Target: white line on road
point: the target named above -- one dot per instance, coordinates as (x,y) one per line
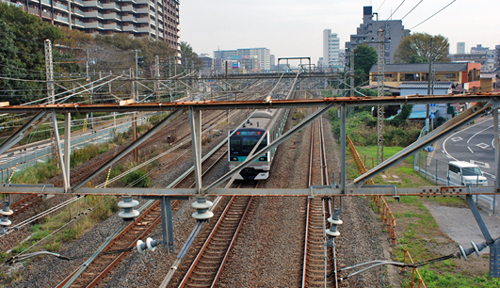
(470,150)
(478,133)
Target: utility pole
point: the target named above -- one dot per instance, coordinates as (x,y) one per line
(170,81)
(49,72)
(380,92)
(49,69)
(157,76)
(136,73)
(134,117)
(351,74)
(429,76)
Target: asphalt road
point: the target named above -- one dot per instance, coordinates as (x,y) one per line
(473,144)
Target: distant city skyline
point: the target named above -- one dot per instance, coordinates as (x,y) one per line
(295,28)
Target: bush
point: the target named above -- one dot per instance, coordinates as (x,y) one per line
(138,179)
(361,128)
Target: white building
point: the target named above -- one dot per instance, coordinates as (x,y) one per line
(331,49)
(263,54)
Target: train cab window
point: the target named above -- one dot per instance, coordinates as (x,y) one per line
(249,142)
(235,146)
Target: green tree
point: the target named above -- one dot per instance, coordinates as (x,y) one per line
(9,64)
(416,48)
(364,58)
(188,56)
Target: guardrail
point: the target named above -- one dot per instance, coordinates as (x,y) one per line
(414,269)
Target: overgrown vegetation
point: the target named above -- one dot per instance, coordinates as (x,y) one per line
(100,208)
(362,129)
(418,231)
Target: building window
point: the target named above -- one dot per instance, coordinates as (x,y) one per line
(387,46)
(450,75)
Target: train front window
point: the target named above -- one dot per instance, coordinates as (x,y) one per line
(249,142)
(235,144)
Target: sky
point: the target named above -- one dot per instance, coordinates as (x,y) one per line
(292,28)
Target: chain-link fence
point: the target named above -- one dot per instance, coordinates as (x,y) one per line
(437,171)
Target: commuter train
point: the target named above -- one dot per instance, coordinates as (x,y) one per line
(269,123)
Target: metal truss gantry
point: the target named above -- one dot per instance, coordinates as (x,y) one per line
(486,102)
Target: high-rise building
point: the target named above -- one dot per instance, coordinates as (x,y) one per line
(460,47)
(367,33)
(263,54)
(156,19)
(331,49)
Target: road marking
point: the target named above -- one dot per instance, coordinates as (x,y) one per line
(455,139)
(489,174)
(470,150)
(443,145)
(478,133)
(482,145)
(481,164)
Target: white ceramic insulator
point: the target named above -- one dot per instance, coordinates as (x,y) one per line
(5,222)
(202,205)
(332,233)
(131,204)
(139,246)
(203,216)
(7,213)
(129,215)
(148,243)
(336,222)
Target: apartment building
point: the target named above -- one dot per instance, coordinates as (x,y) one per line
(156,19)
(366,33)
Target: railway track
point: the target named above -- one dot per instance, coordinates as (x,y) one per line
(76,177)
(207,267)
(319,260)
(97,270)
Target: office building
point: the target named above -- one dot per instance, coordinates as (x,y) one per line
(460,47)
(366,33)
(263,55)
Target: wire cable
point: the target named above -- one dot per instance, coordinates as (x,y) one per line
(395,10)
(434,14)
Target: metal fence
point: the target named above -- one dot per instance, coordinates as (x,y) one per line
(436,171)
(17,162)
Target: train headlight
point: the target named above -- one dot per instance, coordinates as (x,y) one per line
(234,158)
(263,158)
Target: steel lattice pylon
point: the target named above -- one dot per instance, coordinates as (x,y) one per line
(380,92)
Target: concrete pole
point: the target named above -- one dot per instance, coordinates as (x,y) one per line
(67,145)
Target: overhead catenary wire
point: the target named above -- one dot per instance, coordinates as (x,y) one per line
(434,14)
(396,9)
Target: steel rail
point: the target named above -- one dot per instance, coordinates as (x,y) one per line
(209,279)
(315,232)
(157,219)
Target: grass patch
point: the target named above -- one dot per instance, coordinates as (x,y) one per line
(89,219)
(36,174)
